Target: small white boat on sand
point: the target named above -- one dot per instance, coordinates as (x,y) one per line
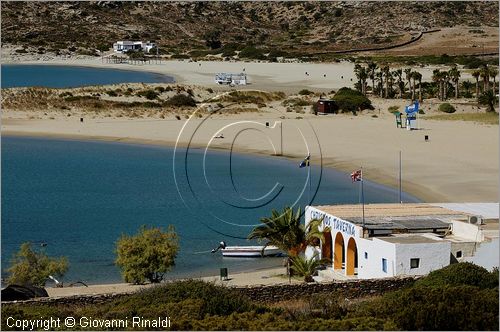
(250,251)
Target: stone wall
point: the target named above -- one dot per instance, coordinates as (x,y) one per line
(347,289)
(262,294)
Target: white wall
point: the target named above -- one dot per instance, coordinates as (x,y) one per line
(347,228)
(467,231)
(486,255)
(433,256)
(371,267)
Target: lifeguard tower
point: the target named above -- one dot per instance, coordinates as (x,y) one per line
(411,115)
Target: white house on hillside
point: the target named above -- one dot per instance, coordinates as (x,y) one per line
(123,46)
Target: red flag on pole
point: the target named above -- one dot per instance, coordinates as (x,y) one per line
(356,176)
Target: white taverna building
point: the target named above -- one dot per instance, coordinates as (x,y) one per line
(400,239)
(123,46)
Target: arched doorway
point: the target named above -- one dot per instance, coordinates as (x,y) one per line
(352,257)
(339,252)
(326,246)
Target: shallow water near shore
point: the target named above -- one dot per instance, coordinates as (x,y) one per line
(55,76)
(78,197)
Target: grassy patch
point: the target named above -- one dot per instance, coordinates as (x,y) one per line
(483,118)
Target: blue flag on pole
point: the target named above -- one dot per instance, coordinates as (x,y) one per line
(305,162)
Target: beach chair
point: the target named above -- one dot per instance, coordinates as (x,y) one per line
(399,122)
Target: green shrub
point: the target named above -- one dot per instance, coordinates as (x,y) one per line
(80,98)
(210,90)
(274,53)
(461,274)
(180,56)
(442,308)
(160,89)
(181,100)
(250,52)
(349,100)
(447,108)
(148,94)
(111,93)
(305,92)
(148,255)
(66,94)
(31,267)
(393,109)
(296,102)
(150,104)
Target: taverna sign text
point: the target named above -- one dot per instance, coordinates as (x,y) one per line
(334,223)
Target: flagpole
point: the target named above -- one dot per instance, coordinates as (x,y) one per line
(362,197)
(309,175)
(400,177)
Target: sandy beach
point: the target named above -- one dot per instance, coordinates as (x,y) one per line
(458,163)
(287,77)
(271,276)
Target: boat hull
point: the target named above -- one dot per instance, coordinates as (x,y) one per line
(250,251)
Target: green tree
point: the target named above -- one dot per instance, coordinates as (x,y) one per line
(476,74)
(409,74)
(387,73)
(148,255)
(484,71)
(372,72)
(417,76)
(467,85)
(454,74)
(488,99)
(212,39)
(285,231)
(30,267)
(493,74)
(306,267)
(437,76)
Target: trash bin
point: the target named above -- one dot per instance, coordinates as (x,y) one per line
(223,273)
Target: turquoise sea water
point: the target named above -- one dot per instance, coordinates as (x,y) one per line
(53,76)
(78,197)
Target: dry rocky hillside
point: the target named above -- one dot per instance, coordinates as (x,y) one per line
(291,28)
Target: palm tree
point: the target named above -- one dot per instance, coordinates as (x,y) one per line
(413,86)
(436,77)
(408,74)
(387,73)
(445,79)
(362,76)
(417,76)
(454,74)
(357,69)
(485,74)
(476,74)
(467,85)
(493,74)
(285,231)
(398,73)
(380,78)
(372,69)
(488,99)
(306,267)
